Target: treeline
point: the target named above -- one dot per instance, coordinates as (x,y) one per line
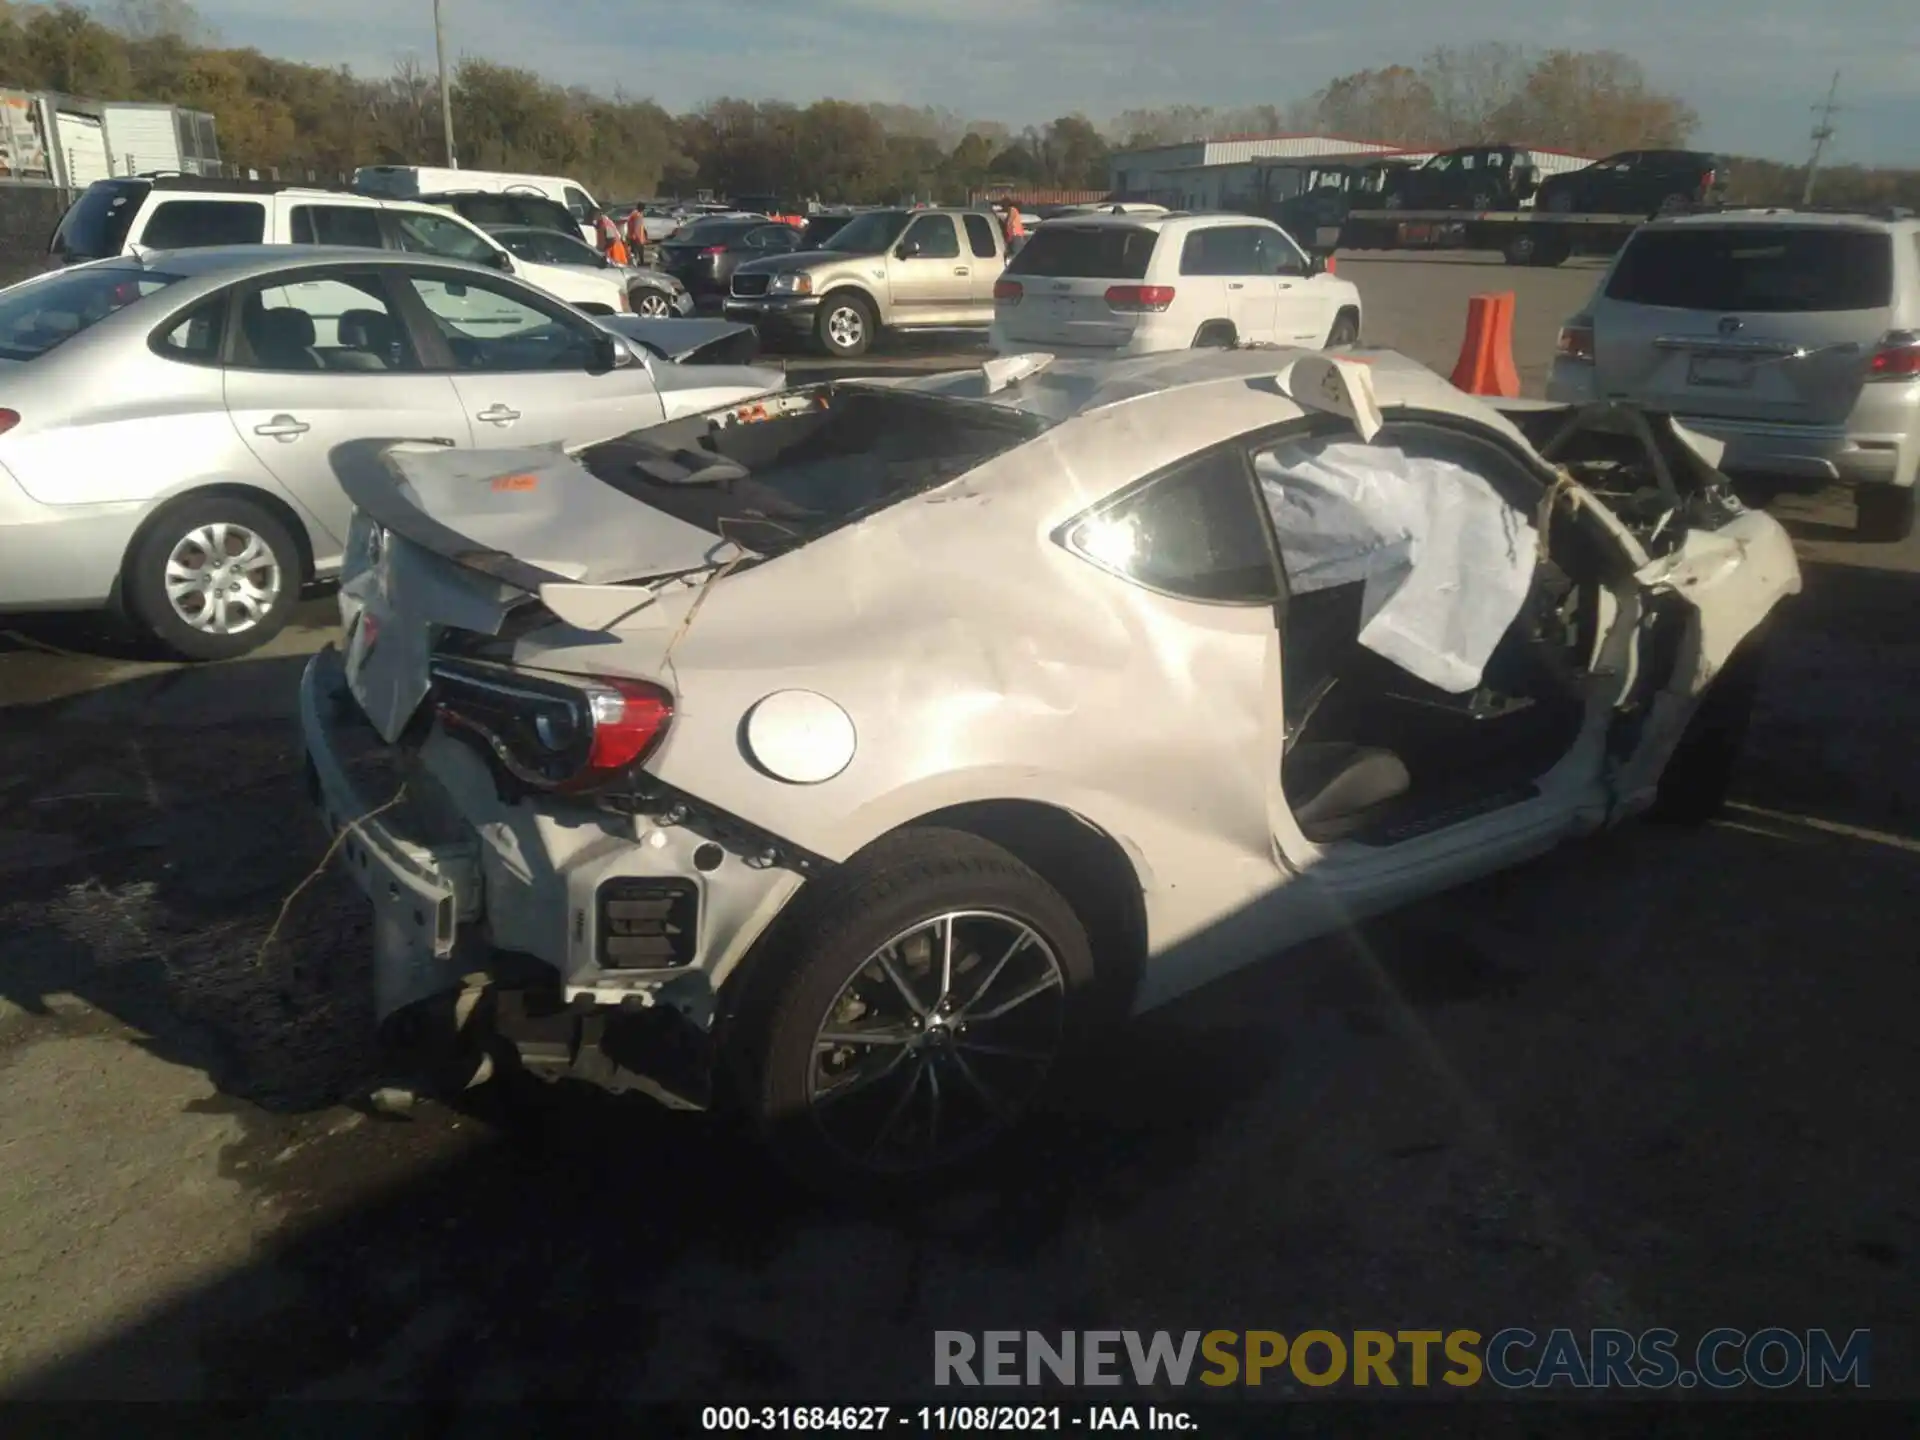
(297,119)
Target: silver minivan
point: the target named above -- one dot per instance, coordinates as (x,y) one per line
(1792,336)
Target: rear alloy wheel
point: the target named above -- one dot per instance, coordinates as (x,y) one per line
(213,578)
(1883,514)
(845,326)
(933,990)
(650,304)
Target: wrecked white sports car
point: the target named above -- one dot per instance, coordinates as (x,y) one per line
(865,744)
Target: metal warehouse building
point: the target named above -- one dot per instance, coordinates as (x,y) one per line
(1248,172)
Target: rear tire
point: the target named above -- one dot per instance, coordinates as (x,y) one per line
(845,325)
(1345,331)
(1215,335)
(832,980)
(1521,250)
(1883,514)
(205,565)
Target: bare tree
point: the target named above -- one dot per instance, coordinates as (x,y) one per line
(162,20)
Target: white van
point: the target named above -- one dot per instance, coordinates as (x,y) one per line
(404,182)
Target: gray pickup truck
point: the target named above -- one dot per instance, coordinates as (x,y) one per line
(884,270)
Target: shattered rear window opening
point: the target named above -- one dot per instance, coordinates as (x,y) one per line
(821,458)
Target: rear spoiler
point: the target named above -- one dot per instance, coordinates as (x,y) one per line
(531,519)
(372,480)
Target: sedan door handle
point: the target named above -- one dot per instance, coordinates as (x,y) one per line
(1235,285)
(961,270)
(283,428)
(498,415)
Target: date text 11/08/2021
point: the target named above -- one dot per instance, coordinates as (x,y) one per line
(943,1419)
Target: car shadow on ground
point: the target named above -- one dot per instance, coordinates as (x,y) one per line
(556,1244)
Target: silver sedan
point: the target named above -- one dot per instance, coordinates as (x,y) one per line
(170,417)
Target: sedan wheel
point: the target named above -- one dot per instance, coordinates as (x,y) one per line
(936,1041)
(213,578)
(222,579)
(651,304)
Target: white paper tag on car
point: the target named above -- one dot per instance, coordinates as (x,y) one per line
(1340,387)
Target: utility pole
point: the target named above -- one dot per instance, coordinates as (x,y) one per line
(1822,133)
(446,94)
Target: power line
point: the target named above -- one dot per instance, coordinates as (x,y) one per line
(1822,133)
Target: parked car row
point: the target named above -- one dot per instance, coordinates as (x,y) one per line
(1101,283)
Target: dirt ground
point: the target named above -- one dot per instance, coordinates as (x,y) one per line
(1661,1078)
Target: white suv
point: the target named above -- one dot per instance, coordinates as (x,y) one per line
(188,212)
(1129,284)
(1792,337)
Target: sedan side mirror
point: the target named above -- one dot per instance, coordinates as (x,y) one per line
(1316,264)
(607,353)
(501,260)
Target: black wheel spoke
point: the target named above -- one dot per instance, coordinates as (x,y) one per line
(916,1058)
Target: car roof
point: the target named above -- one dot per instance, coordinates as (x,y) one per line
(1066,389)
(238,261)
(1155,220)
(1821,219)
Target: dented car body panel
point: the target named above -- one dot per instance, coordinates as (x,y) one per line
(961,648)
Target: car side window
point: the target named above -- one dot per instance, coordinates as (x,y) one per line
(357,225)
(578,205)
(1195,532)
(497,330)
(771,237)
(439,236)
(195,224)
(980,237)
(195,336)
(339,322)
(1223,250)
(935,236)
(1275,254)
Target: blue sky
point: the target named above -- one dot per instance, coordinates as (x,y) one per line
(1752,68)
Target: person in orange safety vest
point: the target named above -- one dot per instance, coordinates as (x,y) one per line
(611,245)
(637,232)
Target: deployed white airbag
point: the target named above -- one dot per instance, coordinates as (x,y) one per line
(1447,562)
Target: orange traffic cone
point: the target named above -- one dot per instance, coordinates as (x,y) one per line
(1486,356)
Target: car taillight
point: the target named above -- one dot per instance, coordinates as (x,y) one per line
(1332,266)
(1576,340)
(714,250)
(1706,180)
(8,419)
(567,736)
(1897,358)
(1134,298)
(1009,291)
